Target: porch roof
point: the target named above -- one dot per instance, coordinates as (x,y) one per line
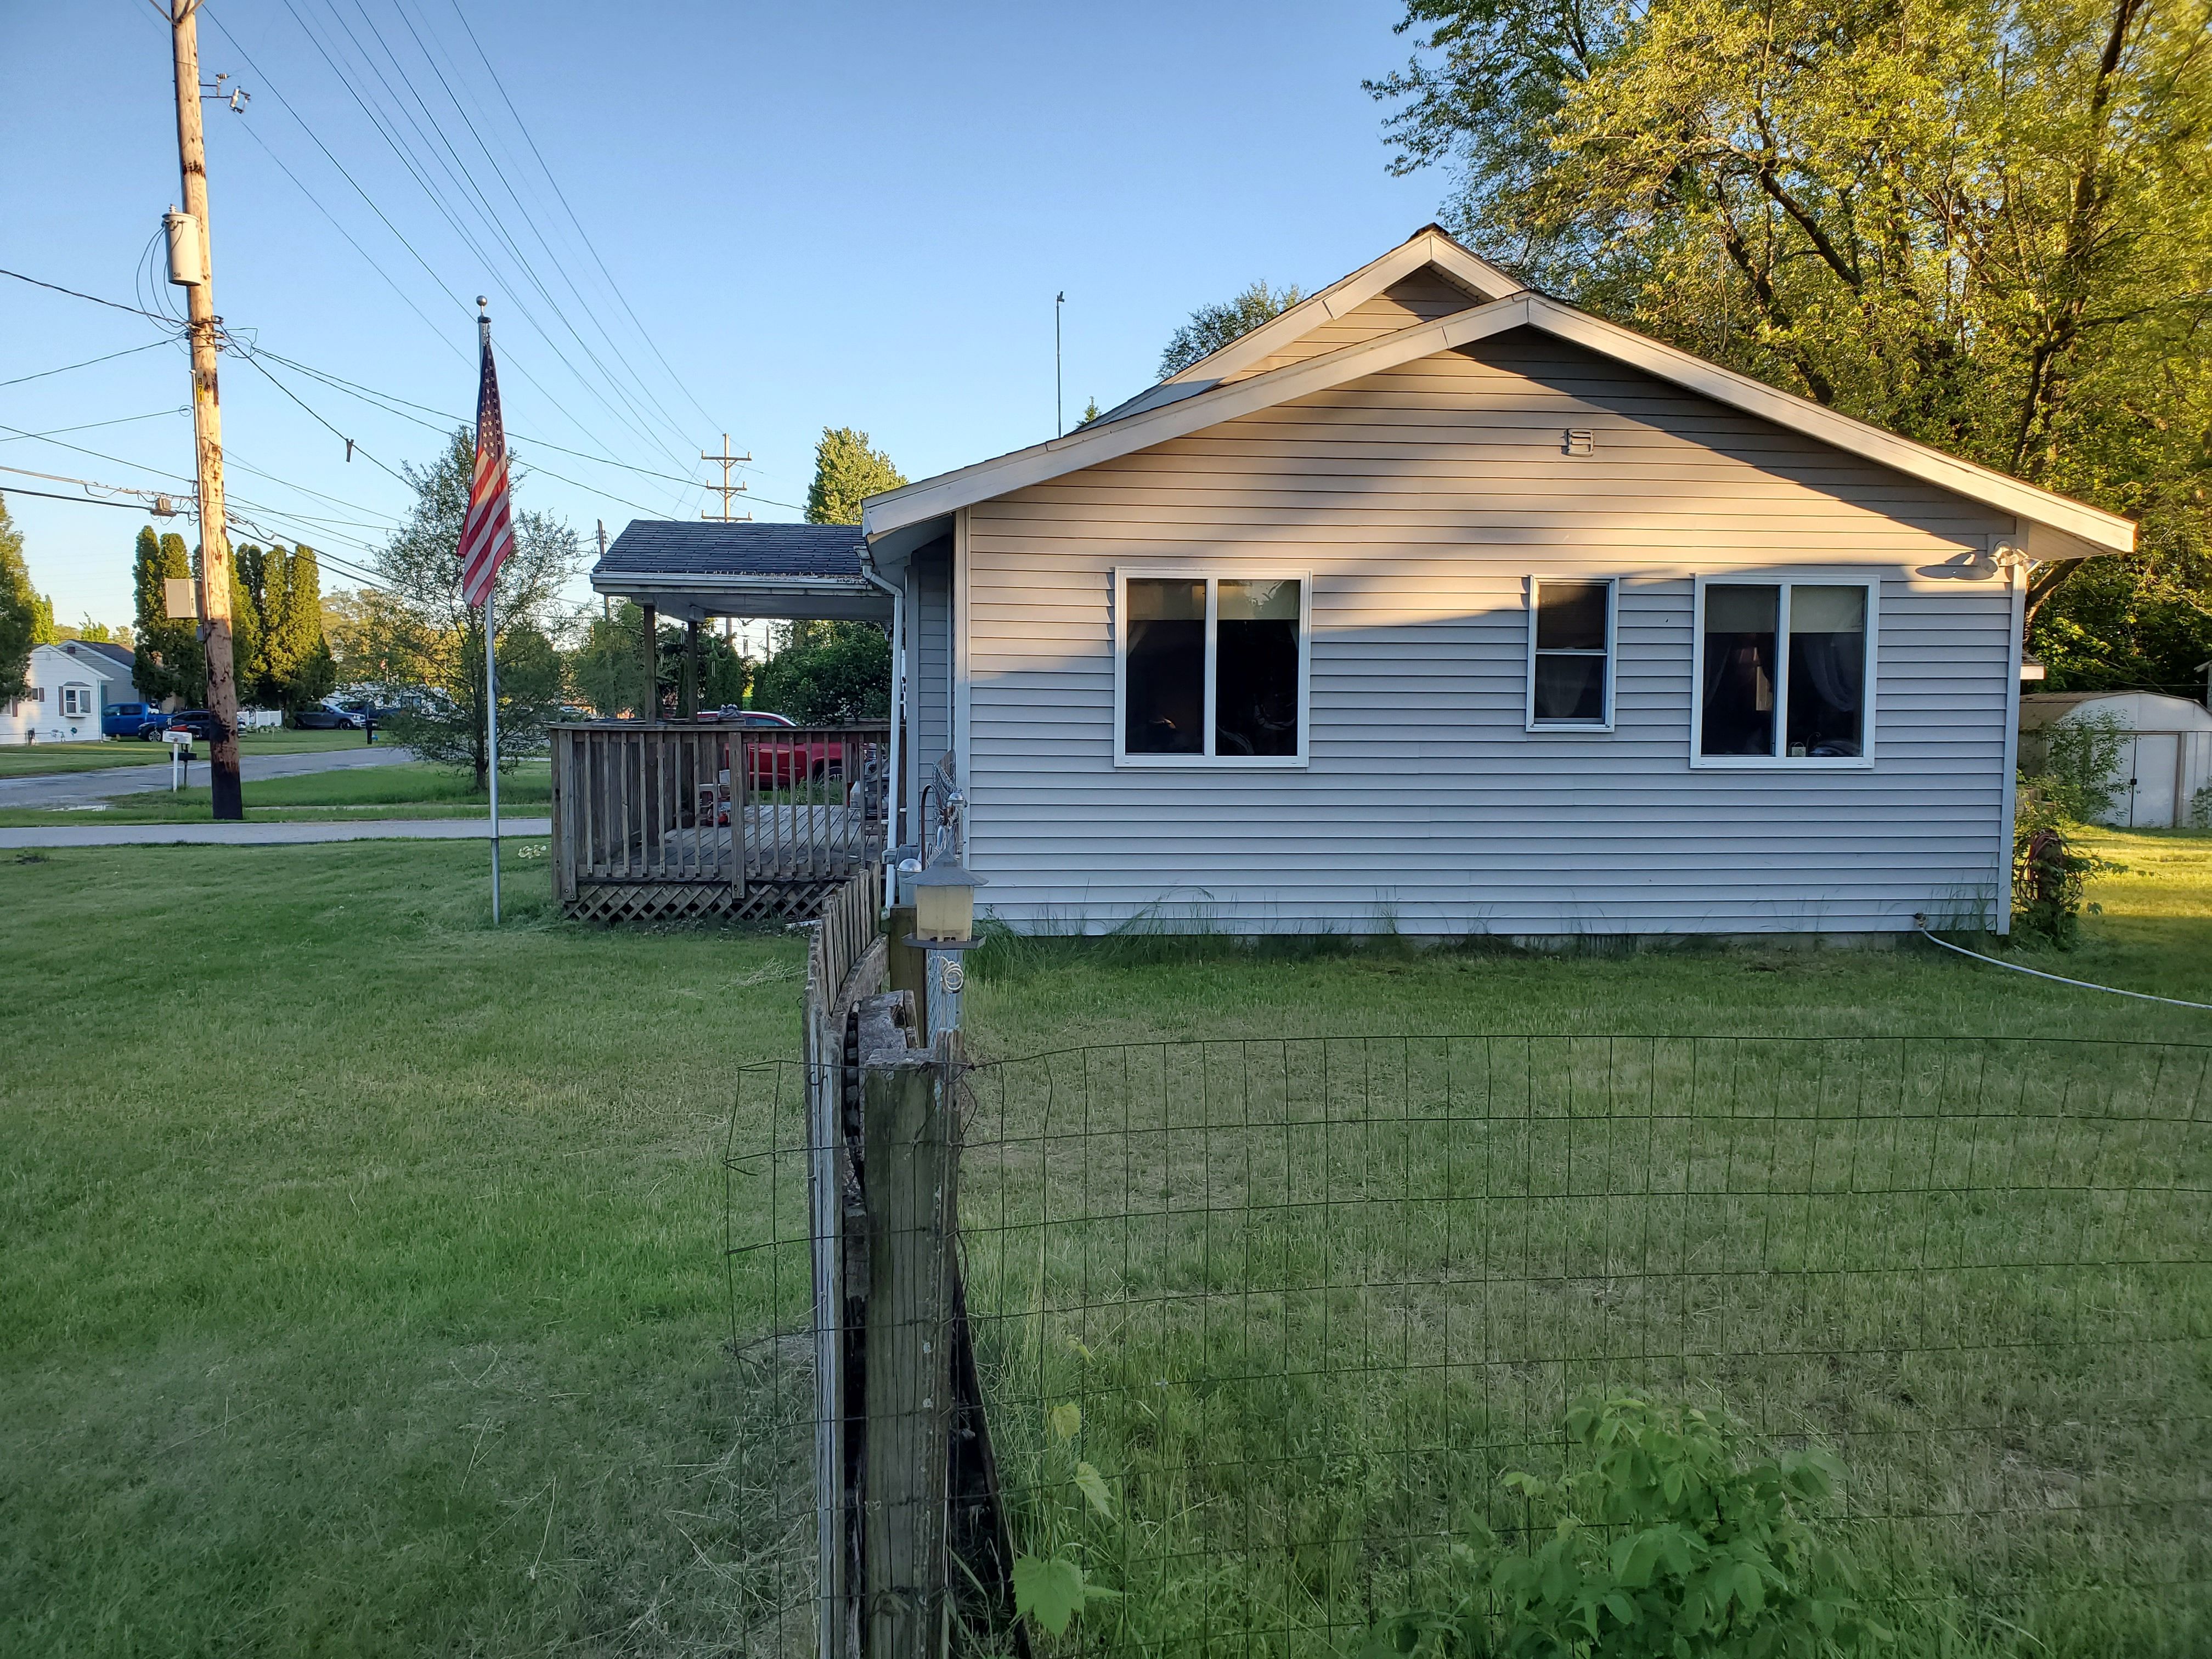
(803,572)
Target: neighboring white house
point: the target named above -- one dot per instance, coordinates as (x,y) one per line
(71,683)
(1438,606)
(2162,767)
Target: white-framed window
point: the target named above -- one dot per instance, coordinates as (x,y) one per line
(1785,672)
(1572,621)
(1211,667)
(76,698)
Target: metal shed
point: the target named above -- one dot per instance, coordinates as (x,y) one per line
(2166,764)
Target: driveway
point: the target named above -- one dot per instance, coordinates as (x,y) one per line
(273,835)
(84,788)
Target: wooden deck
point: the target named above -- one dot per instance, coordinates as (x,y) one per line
(659,820)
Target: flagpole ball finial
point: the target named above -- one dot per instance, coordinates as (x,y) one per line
(480,302)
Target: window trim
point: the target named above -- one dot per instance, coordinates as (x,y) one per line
(76,700)
(1785,580)
(1529,584)
(1212,576)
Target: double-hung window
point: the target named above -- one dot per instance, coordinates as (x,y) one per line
(1211,669)
(1785,673)
(77,699)
(1570,626)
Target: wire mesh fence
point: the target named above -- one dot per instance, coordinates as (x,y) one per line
(1262,1327)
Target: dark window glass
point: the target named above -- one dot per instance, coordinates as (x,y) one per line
(1570,616)
(1163,678)
(1827,671)
(1255,656)
(1571,652)
(1739,669)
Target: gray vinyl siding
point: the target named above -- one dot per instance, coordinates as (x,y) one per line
(1418,501)
(930,654)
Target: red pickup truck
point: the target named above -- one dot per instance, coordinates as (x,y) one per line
(774,761)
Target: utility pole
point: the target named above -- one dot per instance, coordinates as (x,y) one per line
(191,268)
(725,488)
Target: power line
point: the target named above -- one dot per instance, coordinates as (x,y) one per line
(383,217)
(121,420)
(81,501)
(88,363)
(350,445)
(112,305)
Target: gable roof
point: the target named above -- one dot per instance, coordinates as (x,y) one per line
(713,569)
(1428,248)
(661,547)
(2082,529)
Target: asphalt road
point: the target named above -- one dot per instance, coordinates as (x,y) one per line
(272,835)
(55,789)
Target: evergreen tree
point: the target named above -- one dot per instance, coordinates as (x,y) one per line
(248,671)
(166,658)
(43,631)
(845,471)
(18,609)
(296,656)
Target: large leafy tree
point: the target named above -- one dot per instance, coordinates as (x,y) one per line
(846,472)
(1985,224)
(1212,327)
(19,610)
(825,673)
(434,643)
(167,659)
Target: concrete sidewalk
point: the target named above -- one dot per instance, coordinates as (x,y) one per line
(82,788)
(274,834)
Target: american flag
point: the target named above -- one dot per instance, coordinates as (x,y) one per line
(488,531)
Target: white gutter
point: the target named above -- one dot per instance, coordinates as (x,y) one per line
(898,708)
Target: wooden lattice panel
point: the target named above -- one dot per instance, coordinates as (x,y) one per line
(782,901)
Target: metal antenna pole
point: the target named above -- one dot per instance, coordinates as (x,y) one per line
(1059,399)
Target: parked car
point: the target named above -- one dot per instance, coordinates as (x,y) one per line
(773,761)
(326,717)
(197,721)
(125,719)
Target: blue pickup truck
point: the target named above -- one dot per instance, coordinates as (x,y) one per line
(127,720)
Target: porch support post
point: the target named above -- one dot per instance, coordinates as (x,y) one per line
(687,683)
(648,707)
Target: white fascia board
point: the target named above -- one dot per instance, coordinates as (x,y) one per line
(623,582)
(2105,533)
(1427,247)
(2099,531)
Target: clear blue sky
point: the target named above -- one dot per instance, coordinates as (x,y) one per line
(831,215)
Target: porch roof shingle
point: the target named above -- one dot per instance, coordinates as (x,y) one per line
(659,547)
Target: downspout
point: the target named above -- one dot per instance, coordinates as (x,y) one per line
(898,721)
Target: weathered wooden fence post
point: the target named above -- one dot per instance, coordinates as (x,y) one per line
(911,1157)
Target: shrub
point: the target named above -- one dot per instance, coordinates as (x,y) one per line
(1673,1543)
(2076,766)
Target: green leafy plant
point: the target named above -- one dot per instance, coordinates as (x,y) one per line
(1673,1543)
(2048,879)
(1053,1589)
(2074,770)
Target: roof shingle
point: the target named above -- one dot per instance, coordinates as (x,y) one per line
(711,548)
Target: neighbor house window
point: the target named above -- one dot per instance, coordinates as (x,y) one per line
(1569,653)
(1785,672)
(1212,668)
(76,700)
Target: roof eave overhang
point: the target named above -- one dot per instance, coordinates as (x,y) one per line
(2090,529)
(695,595)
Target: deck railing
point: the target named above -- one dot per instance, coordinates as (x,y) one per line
(683,817)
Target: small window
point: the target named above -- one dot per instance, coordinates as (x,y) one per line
(1785,672)
(77,699)
(1212,668)
(1569,653)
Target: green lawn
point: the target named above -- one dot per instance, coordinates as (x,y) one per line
(33,759)
(361,1265)
(410,789)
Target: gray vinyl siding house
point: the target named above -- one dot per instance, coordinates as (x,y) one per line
(1399,468)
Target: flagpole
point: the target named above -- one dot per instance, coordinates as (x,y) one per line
(491,729)
(491,653)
